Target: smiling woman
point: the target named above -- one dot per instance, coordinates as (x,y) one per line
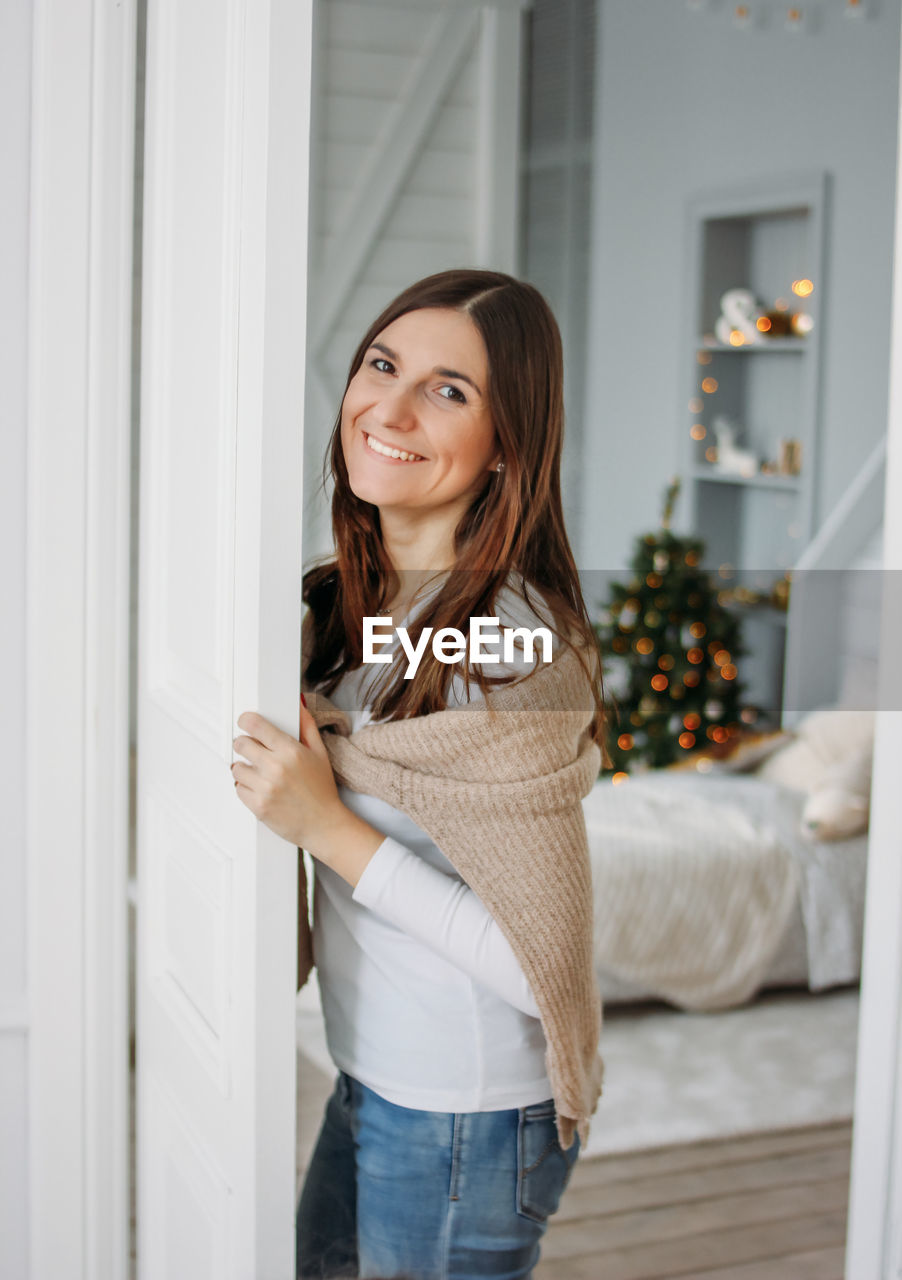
(452,907)
(411,400)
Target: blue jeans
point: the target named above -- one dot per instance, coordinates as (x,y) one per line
(400,1194)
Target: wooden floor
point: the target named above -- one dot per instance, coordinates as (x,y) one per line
(766,1207)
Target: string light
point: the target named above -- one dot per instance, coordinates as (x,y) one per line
(737,338)
(709,386)
(697,431)
(803,288)
(794,19)
(686,740)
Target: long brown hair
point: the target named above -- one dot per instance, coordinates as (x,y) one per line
(515,524)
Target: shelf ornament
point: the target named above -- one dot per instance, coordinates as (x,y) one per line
(730,458)
(737,324)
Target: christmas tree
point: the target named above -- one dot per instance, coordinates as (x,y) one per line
(670,651)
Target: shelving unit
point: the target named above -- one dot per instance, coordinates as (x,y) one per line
(761,237)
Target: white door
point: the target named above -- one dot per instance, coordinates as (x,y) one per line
(224,288)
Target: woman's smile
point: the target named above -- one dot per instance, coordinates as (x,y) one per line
(390,453)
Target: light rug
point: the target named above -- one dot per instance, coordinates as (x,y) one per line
(785,1061)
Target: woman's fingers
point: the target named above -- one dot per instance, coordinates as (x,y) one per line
(310,735)
(257,726)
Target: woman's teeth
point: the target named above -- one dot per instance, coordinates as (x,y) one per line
(390,453)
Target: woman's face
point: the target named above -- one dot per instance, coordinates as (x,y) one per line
(422,394)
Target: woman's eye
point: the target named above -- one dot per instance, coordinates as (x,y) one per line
(382,365)
(448,392)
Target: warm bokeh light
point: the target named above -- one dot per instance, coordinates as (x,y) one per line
(722,657)
(692,720)
(697,629)
(737,338)
(763,324)
(709,386)
(719,734)
(653,580)
(659,683)
(711,453)
(691,558)
(617,778)
(728,672)
(704,357)
(690,679)
(802,287)
(695,655)
(687,740)
(644,645)
(665,662)
(697,431)
(625,742)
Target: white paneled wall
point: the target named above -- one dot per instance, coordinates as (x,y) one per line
(15,96)
(416,135)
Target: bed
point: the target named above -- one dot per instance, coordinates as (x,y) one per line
(717,893)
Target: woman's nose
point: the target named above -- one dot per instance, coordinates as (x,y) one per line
(395,408)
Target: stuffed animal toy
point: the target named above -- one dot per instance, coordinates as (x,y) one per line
(829,758)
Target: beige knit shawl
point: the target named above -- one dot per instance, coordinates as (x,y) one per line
(498,786)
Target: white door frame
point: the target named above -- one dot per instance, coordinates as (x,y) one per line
(77,685)
(874,1242)
(79,368)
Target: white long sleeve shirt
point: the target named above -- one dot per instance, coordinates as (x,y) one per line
(423,998)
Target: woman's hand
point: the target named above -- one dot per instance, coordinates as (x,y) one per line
(289,785)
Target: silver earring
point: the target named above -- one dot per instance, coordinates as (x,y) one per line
(500,466)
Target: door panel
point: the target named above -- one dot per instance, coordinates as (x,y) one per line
(224,284)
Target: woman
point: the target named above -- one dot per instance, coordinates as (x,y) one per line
(452,909)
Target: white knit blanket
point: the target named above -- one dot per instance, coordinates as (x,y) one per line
(692,896)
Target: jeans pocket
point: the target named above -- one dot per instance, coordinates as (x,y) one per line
(343,1095)
(543,1167)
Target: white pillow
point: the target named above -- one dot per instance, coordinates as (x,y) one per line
(828,737)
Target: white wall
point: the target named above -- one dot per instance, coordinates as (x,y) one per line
(15,101)
(687,101)
(415,165)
